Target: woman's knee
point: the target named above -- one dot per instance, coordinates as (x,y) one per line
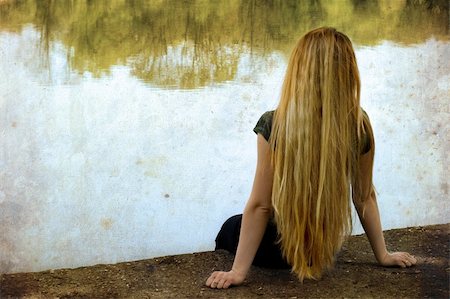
(228,236)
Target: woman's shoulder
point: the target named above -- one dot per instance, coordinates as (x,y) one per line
(267,116)
(364,113)
(367,134)
(264,124)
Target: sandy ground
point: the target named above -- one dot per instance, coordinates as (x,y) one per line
(356,275)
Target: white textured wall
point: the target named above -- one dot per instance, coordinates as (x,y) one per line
(107,170)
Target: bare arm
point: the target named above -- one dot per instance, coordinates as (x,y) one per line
(254,221)
(370,218)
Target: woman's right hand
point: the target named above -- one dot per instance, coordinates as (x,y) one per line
(402,259)
(222,280)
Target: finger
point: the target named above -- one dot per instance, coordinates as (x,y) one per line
(412,259)
(405,259)
(209,283)
(210,279)
(220,283)
(213,284)
(408,260)
(219,276)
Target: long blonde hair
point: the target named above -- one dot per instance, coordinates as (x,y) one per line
(315,136)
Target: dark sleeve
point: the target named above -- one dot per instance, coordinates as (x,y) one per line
(264,125)
(366,143)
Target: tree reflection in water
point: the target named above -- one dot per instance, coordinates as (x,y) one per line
(196,43)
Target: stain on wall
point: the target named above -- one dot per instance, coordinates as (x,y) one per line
(106,223)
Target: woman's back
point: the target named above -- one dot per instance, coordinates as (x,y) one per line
(315,134)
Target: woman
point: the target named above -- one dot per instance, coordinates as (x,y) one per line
(315,151)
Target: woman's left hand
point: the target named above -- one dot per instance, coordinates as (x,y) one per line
(222,280)
(402,259)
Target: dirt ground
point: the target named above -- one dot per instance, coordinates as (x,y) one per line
(356,274)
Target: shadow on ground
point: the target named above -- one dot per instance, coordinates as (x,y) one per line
(356,274)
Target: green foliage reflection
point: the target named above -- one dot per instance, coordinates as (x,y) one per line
(193,43)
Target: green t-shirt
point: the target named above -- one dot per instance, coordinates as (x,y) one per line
(264,127)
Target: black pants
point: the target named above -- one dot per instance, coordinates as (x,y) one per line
(269,252)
